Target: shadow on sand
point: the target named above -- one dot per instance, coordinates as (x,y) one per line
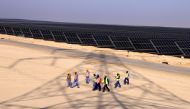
(162,98)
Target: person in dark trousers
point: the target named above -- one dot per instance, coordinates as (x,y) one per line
(94,82)
(126,80)
(87,77)
(117,83)
(76,80)
(106,84)
(98,82)
(69,83)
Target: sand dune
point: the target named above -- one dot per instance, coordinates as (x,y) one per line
(33,76)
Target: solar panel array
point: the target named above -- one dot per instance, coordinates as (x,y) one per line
(2,30)
(27,32)
(103,40)
(122,42)
(87,39)
(184,46)
(143,44)
(154,42)
(59,36)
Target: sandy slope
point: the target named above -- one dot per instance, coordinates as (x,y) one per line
(33,77)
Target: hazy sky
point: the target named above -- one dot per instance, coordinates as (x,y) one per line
(174,13)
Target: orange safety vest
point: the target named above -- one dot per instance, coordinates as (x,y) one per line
(98,80)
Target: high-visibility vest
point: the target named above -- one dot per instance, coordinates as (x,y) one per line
(94,79)
(117,77)
(105,81)
(127,75)
(98,80)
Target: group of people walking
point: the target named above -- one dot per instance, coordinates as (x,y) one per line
(97,81)
(75,81)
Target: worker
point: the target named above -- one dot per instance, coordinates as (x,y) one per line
(105,82)
(76,80)
(87,77)
(117,83)
(98,82)
(94,82)
(69,80)
(126,80)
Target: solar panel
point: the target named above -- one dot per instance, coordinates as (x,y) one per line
(122,42)
(72,38)
(59,36)
(183,44)
(47,35)
(2,30)
(164,42)
(103,40)
(17,32)
(36,34)
(142,44)
(139,34)
(169,41)
(166,47)
(87,39)
(186,51)
(140,40)
(9,30)
(169,50)
(169,35)
(26,32)
(120,39)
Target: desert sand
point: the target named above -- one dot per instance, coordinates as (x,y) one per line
(33,76)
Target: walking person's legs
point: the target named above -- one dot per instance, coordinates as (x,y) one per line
(125,81)
(128,81)
(107,87)
(119,84)
(95,86)
(99,86)
(116,84)
(77,84)
(87,80)
(68,83)
(104,88)
(73,84)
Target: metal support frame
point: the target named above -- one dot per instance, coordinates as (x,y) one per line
(41,33)
(31,32)
(131,43)
(111,41)
(52,35)
(154,46)
(94,39)
(65,37)
(179,48)
(13,31)
(21,32)
(79,38)
(5,29)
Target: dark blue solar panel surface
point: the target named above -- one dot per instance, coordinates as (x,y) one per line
(161,41)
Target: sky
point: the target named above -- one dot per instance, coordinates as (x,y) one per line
(168,13)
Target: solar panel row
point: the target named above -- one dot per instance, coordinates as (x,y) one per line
(184,46)
(143,44)
(122,42)
(162,43)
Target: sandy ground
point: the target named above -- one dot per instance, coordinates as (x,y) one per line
(34,77)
